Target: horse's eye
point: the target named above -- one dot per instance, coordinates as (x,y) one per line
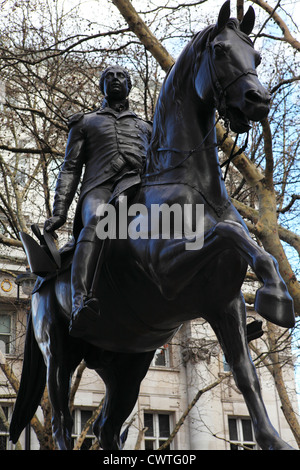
(220,49)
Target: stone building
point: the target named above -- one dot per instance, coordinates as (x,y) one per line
(219,420)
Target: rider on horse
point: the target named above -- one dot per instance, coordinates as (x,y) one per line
(111,143)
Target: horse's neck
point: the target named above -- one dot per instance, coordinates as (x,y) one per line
(192,127)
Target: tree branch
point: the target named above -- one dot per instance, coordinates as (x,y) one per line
(139,27)
(31,150)
(190,406)
(282,25)
(294,198)
(284,82)
(19,58)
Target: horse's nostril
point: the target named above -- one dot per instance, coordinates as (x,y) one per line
(256,96)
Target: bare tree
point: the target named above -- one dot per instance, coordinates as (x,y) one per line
(50,59)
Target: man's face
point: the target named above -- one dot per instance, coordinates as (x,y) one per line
(115,84)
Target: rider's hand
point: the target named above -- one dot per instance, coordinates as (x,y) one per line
(53,223)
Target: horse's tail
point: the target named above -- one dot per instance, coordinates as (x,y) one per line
(32,385)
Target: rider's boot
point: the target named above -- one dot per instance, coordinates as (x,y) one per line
(85,310)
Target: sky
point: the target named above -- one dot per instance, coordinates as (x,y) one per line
(91,7)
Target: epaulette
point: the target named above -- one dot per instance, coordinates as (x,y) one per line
(74,118)
(144,120)
(147,121)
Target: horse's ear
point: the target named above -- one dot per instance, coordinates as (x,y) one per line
(224,15)
(248,21)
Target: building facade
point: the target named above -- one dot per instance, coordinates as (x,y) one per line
(193,362)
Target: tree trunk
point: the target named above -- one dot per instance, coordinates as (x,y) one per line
(286,405)
(138,27)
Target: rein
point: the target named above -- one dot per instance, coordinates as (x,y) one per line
(221,102)
(233,155)
(220,98)
(220,92)
(189,153)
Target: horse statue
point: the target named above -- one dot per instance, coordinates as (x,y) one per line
(149,286)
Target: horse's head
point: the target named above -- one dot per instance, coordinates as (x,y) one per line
(231,61)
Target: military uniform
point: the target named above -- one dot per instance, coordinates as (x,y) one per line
(108,144)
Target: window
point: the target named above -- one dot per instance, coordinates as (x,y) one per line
(161,357)
(241,434)
(4,434)
(80,418)
(157,429)
(6,334)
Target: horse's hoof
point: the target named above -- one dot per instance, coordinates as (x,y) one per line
(274,307)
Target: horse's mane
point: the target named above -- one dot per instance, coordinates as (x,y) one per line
(174,79)
(177,77)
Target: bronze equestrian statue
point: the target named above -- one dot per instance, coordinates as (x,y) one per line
(148,287)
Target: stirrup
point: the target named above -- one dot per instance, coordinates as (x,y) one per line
(83,319)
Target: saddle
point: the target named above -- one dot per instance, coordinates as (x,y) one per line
(44,259)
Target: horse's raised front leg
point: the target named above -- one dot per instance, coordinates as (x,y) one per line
(230,328)
(173,267)
(272,301)
(122,376)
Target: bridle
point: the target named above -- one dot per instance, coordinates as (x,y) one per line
(220,101)
(219,88)
(220,104)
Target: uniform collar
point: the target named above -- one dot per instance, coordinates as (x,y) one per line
(122,111)
(116,109)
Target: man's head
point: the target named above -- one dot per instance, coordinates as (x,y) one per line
(115,83)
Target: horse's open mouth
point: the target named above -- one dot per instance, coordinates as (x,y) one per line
(239,122)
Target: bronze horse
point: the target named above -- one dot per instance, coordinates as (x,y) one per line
(148,287)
